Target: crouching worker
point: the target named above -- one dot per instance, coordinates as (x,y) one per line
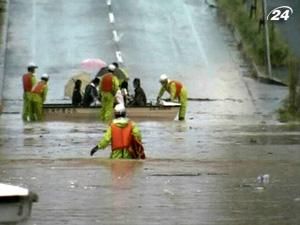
(176,91)
(38,97)
(124,136)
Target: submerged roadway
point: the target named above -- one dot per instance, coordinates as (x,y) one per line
(201,171)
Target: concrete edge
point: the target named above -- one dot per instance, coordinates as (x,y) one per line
(3,40)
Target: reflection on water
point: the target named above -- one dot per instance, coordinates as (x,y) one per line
(123,171)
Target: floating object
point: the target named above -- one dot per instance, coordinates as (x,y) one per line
(263,179)
(260,188)
(15,203)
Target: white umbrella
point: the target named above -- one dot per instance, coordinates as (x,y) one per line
(85,80)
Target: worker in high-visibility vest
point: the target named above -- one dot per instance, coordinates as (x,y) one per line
(121,133)
(38,97)
(109,86)
(177,92)
(29,81)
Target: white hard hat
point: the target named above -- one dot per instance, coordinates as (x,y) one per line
(32,65)
(45,76)
(111,67)
(163,77)
(120,108)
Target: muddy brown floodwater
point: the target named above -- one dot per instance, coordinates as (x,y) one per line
(202,171)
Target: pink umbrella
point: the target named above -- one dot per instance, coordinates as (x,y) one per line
(92,64)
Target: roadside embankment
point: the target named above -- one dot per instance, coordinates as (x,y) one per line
(3,35)
(290,110)
(246,21)
(248,29)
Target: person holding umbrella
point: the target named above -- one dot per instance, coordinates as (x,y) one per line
(29,81)
(176,91)
(109,85)
(118,72)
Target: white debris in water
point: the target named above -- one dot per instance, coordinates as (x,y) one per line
(259,188)
(266,178)
(88,187)
(263,179)
(167,181)
(297,199)
(73,183)
(166,191)
(259,179)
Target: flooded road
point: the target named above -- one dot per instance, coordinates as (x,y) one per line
(158,192)
(204,172)
(201,171)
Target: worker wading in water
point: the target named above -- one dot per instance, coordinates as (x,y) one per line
(39,93)
(121,133)
(29,80)
(109,86)
(176,91)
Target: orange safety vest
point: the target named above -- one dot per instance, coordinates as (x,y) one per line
(121,136)
(27,82)
(39,88)
(178,87)
(107,82)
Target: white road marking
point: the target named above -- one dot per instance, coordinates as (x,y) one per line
(115,33)
(111,17)
(116,36)
(33,31)
(119,56)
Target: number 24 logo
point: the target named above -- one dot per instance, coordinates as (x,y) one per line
(281,12)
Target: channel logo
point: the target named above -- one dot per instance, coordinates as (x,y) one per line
(280,13)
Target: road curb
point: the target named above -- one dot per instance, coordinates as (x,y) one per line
(3,49)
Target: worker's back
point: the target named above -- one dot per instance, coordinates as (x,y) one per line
(124,136)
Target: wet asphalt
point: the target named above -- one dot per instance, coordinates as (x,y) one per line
(201,171)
